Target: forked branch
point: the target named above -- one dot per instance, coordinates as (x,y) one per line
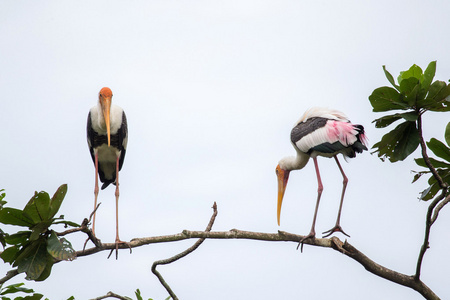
(181,255)
(435,206)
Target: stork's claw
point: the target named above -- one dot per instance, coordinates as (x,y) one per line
(311,235)
(336,228)
(117,248)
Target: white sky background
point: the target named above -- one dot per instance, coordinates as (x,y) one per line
(211,90)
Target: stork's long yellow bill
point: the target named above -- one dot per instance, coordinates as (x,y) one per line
(106,109)
(282,176)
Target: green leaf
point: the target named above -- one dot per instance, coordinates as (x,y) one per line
(430,192)
(388,120)
(436,89)
(439,149)
(57,199)
(47,270)
(428,75)
(390,78)
(385,99)
(447,134)
(18,238)
(33,261)
(67,223)
(13,216)
(418,175)
(436,163)
(437,98)
(60,248)
(414,72)
(434,188)
(38,208)
(39,228)
(10,254)
(138,294)
(398,143)
(408,84)
(34,297)
(410,116)
(15,288)
(414,96)
(427,193)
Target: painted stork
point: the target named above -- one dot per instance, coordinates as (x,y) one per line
(107,136)
(320,132)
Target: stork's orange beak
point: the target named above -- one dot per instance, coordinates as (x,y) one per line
(105,103)
(283,176)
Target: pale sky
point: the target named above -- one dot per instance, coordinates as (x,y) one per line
(211,90)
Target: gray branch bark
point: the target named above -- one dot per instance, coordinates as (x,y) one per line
(334,243)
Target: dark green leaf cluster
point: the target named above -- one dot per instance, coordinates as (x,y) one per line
(415,93)
(35,250)
(18,288)
(442,167)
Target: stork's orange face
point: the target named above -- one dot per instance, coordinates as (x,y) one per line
(283,176)
(105,97)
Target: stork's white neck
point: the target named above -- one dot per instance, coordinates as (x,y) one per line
(294,162)
(98,121)
(100,118)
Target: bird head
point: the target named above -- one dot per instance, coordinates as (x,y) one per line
(105,97)
(283,176)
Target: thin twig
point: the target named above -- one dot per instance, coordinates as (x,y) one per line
(69,231)
(112,295)
(93,212)
(439,207)
(181,255)
(91,236)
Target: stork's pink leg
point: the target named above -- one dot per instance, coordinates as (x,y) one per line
(312,233)
(118,241)
(117,201)
(337,227)
(95,192)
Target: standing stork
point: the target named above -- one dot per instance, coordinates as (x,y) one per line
(107,136)
(320,132)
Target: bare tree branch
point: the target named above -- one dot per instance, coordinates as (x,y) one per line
(10,274)
(181,255)
(373,267)
(111,295)
(426,159)
(428,224)
(333,243)
(345,248)
(430,218)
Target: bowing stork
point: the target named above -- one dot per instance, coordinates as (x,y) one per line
(320,132)
(107,136)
